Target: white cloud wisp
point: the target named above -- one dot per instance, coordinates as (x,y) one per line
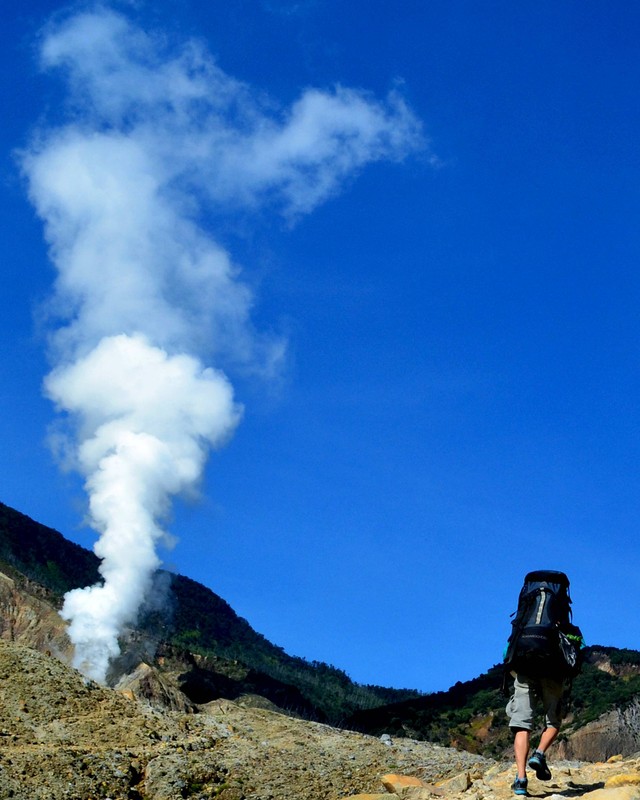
(145,296)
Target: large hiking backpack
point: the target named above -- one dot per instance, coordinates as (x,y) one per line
(543,641)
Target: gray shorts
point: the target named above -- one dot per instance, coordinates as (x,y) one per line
(527,693)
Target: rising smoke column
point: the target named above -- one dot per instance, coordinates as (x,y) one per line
(147,302)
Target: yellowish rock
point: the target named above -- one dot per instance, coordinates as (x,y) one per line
(420,793)
(459,783)
(408,787)
(396,783)
(623,779)
(614,759)
(496,769)
(627,792)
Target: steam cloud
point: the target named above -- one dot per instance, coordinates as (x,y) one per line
(152,140)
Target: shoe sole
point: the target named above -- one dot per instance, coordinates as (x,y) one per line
(542,772)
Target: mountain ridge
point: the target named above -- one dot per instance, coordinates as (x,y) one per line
(201,624)
(204,651)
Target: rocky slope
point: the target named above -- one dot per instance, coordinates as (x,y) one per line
(233,658)
(615,732)
(28,616)
(180,682)
(64,738)
(170,680)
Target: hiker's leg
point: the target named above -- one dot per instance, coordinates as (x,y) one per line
(521,751)
(548,737)
(551,696)
(538,761)
(520,713)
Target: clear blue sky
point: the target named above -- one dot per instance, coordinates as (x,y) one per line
(459,400)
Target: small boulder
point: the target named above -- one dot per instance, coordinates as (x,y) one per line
(456,785)
(396,783)
(627,792)
(623,779)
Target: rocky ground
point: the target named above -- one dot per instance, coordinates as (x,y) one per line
(62,737)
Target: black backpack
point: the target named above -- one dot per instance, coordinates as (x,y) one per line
(543,642)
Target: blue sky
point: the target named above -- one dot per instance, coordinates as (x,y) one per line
(458,401)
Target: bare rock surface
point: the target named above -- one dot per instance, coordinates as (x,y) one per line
(146,683)
(617,731)
(63,738)
(28,617)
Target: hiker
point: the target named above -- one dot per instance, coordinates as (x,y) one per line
(543,656)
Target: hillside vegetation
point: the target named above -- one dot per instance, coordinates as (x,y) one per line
(471,714)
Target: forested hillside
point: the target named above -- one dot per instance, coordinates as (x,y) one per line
(471,714)
(238,660)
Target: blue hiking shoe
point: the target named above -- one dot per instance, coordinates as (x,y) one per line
(519,786)
(538,764)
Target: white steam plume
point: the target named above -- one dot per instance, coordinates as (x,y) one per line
(144,294)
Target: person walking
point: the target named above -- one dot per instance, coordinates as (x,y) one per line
(543,656)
